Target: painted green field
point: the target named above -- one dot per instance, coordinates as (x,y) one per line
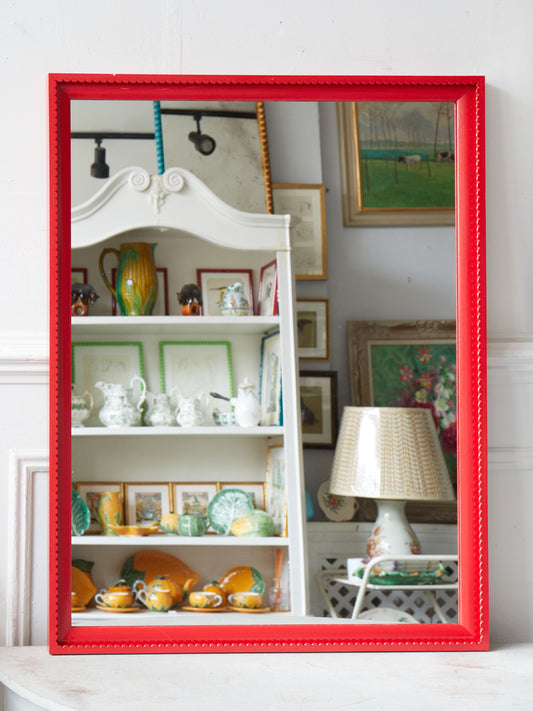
(389,184)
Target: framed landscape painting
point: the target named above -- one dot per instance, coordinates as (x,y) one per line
(397,162)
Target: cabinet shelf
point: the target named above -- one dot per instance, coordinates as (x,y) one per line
(164,540)
(173,325)
(203,431)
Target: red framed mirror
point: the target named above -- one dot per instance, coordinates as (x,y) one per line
(298,631)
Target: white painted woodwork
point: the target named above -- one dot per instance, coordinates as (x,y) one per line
(193,225)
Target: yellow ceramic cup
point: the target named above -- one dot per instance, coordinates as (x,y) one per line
(246,600)
(116,598)
(204,599)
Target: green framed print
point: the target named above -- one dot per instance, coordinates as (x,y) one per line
(115,362)
(195,367)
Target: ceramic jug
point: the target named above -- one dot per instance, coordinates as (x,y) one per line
(246,404)
(81,406)
(109,511)
(136,279)
(159,412)
(191,409)
(119,408)
(232,300)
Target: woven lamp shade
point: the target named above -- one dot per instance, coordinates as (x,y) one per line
(390,453)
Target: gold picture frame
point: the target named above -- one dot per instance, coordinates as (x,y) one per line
(145,503)
(306,202)
(354,212)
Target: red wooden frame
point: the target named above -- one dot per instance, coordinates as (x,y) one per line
(471,633)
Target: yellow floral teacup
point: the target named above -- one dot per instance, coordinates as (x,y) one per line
(118,599)
(204,599)
(246,600)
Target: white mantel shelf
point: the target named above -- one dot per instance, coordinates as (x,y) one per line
(492,681)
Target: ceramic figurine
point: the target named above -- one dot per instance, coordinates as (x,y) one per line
(81,295)
(80,408)
(136,283)
(190,300)
(232,300)
(159,412)
(191,410)
(119,409)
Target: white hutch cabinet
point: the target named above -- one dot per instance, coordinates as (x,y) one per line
(193,229)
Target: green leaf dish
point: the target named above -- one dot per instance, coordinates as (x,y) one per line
(81,516)
(226,507)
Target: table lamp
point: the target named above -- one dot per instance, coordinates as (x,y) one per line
(392,455)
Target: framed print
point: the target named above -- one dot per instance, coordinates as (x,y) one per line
(161,306)
(312,320)
(192,497)
(270,380)
(145,503)
(91,491)
(276,488)
(267,302)
(409,364)
(109,362)
(213,281)
(79,275)
(196,367)
(309,249)
(397,162)
(256,490)
(318,400)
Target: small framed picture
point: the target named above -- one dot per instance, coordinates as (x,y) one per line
(90,492)
(276,488)
(309,241)
(146,503)
(213,281)
(312,319)
(107,361)
(267,300)
(79,275)
(196,367)
(161,306)
(256,490)
(318,398)
(270,380)
(192,497)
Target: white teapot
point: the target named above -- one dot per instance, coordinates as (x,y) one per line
(159,412)
(191,409)
(119,408)
(80,407)
(246,404)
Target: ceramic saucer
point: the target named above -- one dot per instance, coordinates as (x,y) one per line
(189,608)
(78,609)
(250,609)
(118,609)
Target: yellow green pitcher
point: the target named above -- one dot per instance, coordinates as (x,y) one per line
(136,280)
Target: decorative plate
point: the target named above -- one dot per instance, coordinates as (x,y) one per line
(81,516)
(134,530)
(82,582)
(146,565)
(242,579)
(336,508)
(226,507)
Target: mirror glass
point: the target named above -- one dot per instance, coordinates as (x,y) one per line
(383,294)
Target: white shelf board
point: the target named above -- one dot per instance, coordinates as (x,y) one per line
(172,325)
(163,540)
(203,431)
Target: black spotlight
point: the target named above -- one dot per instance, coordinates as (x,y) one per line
(202,142)
(99,169)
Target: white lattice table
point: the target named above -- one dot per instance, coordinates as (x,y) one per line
(421,602)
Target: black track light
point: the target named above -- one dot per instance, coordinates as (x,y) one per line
(203,143)
(99,169)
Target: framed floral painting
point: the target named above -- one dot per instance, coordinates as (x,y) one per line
(409,364)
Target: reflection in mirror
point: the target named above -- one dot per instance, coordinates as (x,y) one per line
(389,305)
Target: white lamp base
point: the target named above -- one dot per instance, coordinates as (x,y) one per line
(392,533)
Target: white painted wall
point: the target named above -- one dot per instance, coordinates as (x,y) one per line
(236,37)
